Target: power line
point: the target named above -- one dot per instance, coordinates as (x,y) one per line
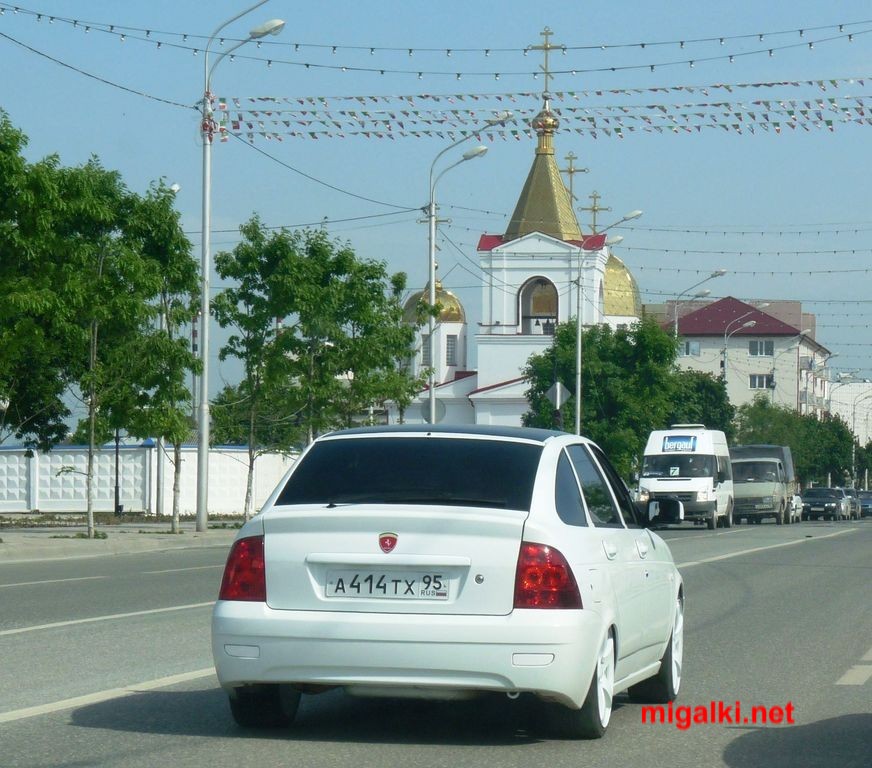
(96,77)
(321,222)
(402,209)
(123,32)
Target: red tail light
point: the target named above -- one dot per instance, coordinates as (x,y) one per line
(244,574)
(544,579)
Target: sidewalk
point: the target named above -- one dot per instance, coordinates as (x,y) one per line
(54,543)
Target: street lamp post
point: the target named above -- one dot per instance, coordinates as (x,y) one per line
(794,347)
(207,128)
(698,295)
(746,324)
(471,154)
(826,391)
(578,324)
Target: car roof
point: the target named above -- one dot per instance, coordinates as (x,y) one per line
(476,430)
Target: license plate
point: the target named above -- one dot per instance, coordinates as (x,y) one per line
(817,509)
(396,585)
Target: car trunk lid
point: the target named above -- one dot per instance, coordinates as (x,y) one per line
(392,558)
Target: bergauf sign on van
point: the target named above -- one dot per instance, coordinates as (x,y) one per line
(679,443)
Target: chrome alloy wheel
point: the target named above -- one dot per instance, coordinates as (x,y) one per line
(605,679)
(677,644)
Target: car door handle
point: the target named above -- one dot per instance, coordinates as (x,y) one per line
(611,550)
(641,548)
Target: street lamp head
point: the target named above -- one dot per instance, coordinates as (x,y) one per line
(718,273)
(501,117)
(748,324)
(271,27)
(632,215)
(174,188)
(614,240)
(478,151)
(701,294)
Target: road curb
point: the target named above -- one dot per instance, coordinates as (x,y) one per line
(32,546)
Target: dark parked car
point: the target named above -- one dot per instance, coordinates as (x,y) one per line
(827,503)
(865,503)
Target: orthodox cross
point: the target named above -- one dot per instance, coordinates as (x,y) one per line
(594,209)
(546,47)
(571,170)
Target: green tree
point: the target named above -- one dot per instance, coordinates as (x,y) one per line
(156,400)
(629,386)
(821,447)
(700,398)
(34,354)
(108,284)
(864,464)
(318,332)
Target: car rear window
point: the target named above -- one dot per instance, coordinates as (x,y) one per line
(822,493)
(415,470)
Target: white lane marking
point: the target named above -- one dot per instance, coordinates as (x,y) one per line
(868,656)
(100,696)
(692,563)
(73,622)
(192,568)
(50,581)
(856,675)
(699,536)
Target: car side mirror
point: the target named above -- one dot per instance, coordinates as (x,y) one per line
(663,511)
(722,476)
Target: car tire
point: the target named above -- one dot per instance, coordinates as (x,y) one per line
(779,517)
(712,522)
(664,686)
(264,706)
(591,721)
(728,519)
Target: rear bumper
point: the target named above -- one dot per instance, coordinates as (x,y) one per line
(548,652)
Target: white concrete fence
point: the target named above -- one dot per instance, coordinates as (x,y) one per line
(55,481)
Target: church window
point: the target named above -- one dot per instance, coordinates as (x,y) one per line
(426,357)
(538,306)
(451,350)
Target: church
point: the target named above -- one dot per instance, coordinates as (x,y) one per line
(541,271)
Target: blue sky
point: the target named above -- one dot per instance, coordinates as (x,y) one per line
(787,214)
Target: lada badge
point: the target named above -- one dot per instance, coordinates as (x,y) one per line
(387,542)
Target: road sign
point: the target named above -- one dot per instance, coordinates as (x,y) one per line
(558,394)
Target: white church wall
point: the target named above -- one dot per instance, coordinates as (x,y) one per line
(502,358)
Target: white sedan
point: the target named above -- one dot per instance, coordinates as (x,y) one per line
(450,562)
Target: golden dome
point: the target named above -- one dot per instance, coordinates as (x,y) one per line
(545,122)
(451,308)
(621,293)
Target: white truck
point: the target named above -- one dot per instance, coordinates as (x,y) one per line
(690,463)
(764,484)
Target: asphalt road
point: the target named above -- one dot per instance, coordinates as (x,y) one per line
(106,662)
